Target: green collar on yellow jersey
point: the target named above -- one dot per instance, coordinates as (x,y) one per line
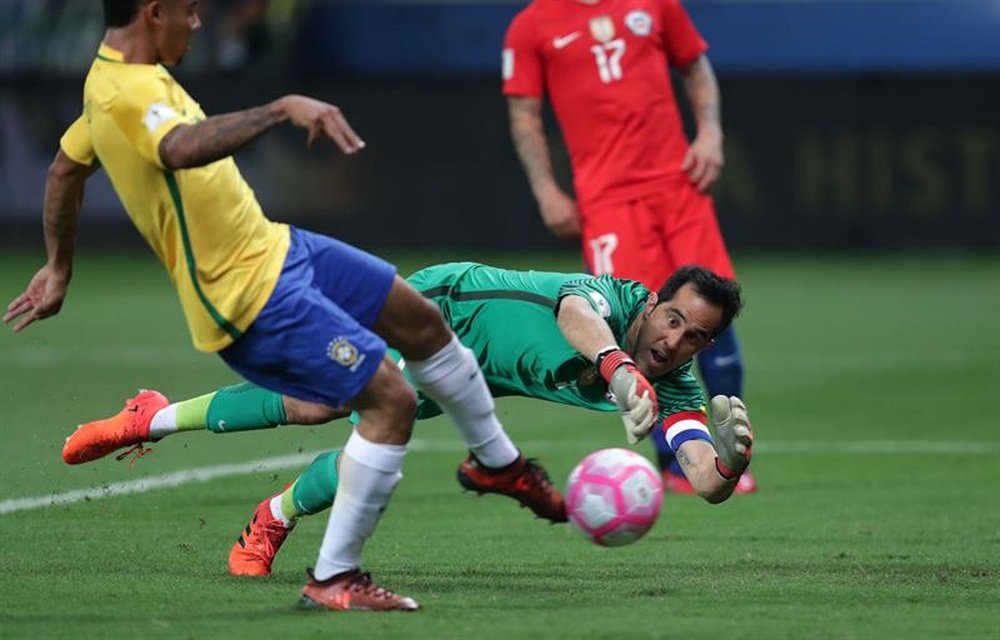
(109,54)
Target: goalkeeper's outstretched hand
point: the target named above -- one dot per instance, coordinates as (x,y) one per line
(634,395)
(733,436)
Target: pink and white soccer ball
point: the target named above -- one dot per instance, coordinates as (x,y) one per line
(613,496)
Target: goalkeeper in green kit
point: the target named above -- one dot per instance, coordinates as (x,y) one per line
(596,342)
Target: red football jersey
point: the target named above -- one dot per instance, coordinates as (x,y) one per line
(606,70)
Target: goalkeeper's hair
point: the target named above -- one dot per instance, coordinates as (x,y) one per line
(120,13)
(722,292)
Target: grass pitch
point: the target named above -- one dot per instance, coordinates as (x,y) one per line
(871,383)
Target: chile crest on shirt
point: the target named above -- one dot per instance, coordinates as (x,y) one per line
(639,22)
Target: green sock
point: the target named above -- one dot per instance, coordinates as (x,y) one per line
(239,407)
(313,491)
(191,414)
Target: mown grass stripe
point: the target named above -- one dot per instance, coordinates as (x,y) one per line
(205,474)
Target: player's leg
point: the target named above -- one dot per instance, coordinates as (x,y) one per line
(435,360)
(447,372)
(722,365)
(305,346)
(624,240)
(240,407)
(259,541)
(370,469)
(149,417)
(694,237)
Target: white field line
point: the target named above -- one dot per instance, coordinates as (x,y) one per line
(142,485)
(204,474)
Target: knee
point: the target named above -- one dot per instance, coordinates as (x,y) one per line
(388,409)
(399,402)
(428,333)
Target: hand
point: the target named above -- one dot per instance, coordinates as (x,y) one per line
(634,395)
(43,298)
(322,120)
(560,215)
(733,436)
(703,161)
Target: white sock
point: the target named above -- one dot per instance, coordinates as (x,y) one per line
(278,513)
(164,422)
(369,472)
(451,377)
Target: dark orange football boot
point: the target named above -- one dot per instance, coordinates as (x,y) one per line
(254,551)
(524,480)
(352,591)
(129,427)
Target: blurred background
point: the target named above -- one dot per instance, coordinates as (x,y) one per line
(850,123)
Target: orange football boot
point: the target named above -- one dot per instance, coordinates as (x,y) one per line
(129,427)
(524,480)
(254,550)
(352,591)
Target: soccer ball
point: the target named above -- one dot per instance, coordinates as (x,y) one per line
(613,496)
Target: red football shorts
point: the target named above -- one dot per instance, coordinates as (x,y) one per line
(648,238)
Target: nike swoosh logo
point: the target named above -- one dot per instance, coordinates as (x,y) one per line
(723,361)
(565,40)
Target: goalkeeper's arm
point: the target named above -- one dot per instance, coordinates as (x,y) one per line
(713,466)
(589,333)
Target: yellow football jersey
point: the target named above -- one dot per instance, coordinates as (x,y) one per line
(204,224)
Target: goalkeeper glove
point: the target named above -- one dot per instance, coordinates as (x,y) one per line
(733,436)
(633,393)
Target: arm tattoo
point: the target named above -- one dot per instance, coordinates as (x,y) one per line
(703,93)
(64,189)
(683,459)
(532,147)
(215,138)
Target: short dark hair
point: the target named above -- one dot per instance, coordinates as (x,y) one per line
(722,292)
(120,13)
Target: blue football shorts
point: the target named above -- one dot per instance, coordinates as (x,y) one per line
(313,339)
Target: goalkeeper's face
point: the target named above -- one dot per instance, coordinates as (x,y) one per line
(673,331)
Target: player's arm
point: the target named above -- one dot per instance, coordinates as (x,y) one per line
(584,329)
(528,131)
(704,158)
(587,332)
(697,458)
(44,295)
(714,467)
(195,145)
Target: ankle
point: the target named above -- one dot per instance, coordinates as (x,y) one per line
(512,467)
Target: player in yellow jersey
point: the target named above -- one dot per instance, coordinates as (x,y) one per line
(291,311)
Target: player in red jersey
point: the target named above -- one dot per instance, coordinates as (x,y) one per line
(642,206)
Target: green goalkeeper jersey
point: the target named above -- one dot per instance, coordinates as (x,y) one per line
(508,320)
